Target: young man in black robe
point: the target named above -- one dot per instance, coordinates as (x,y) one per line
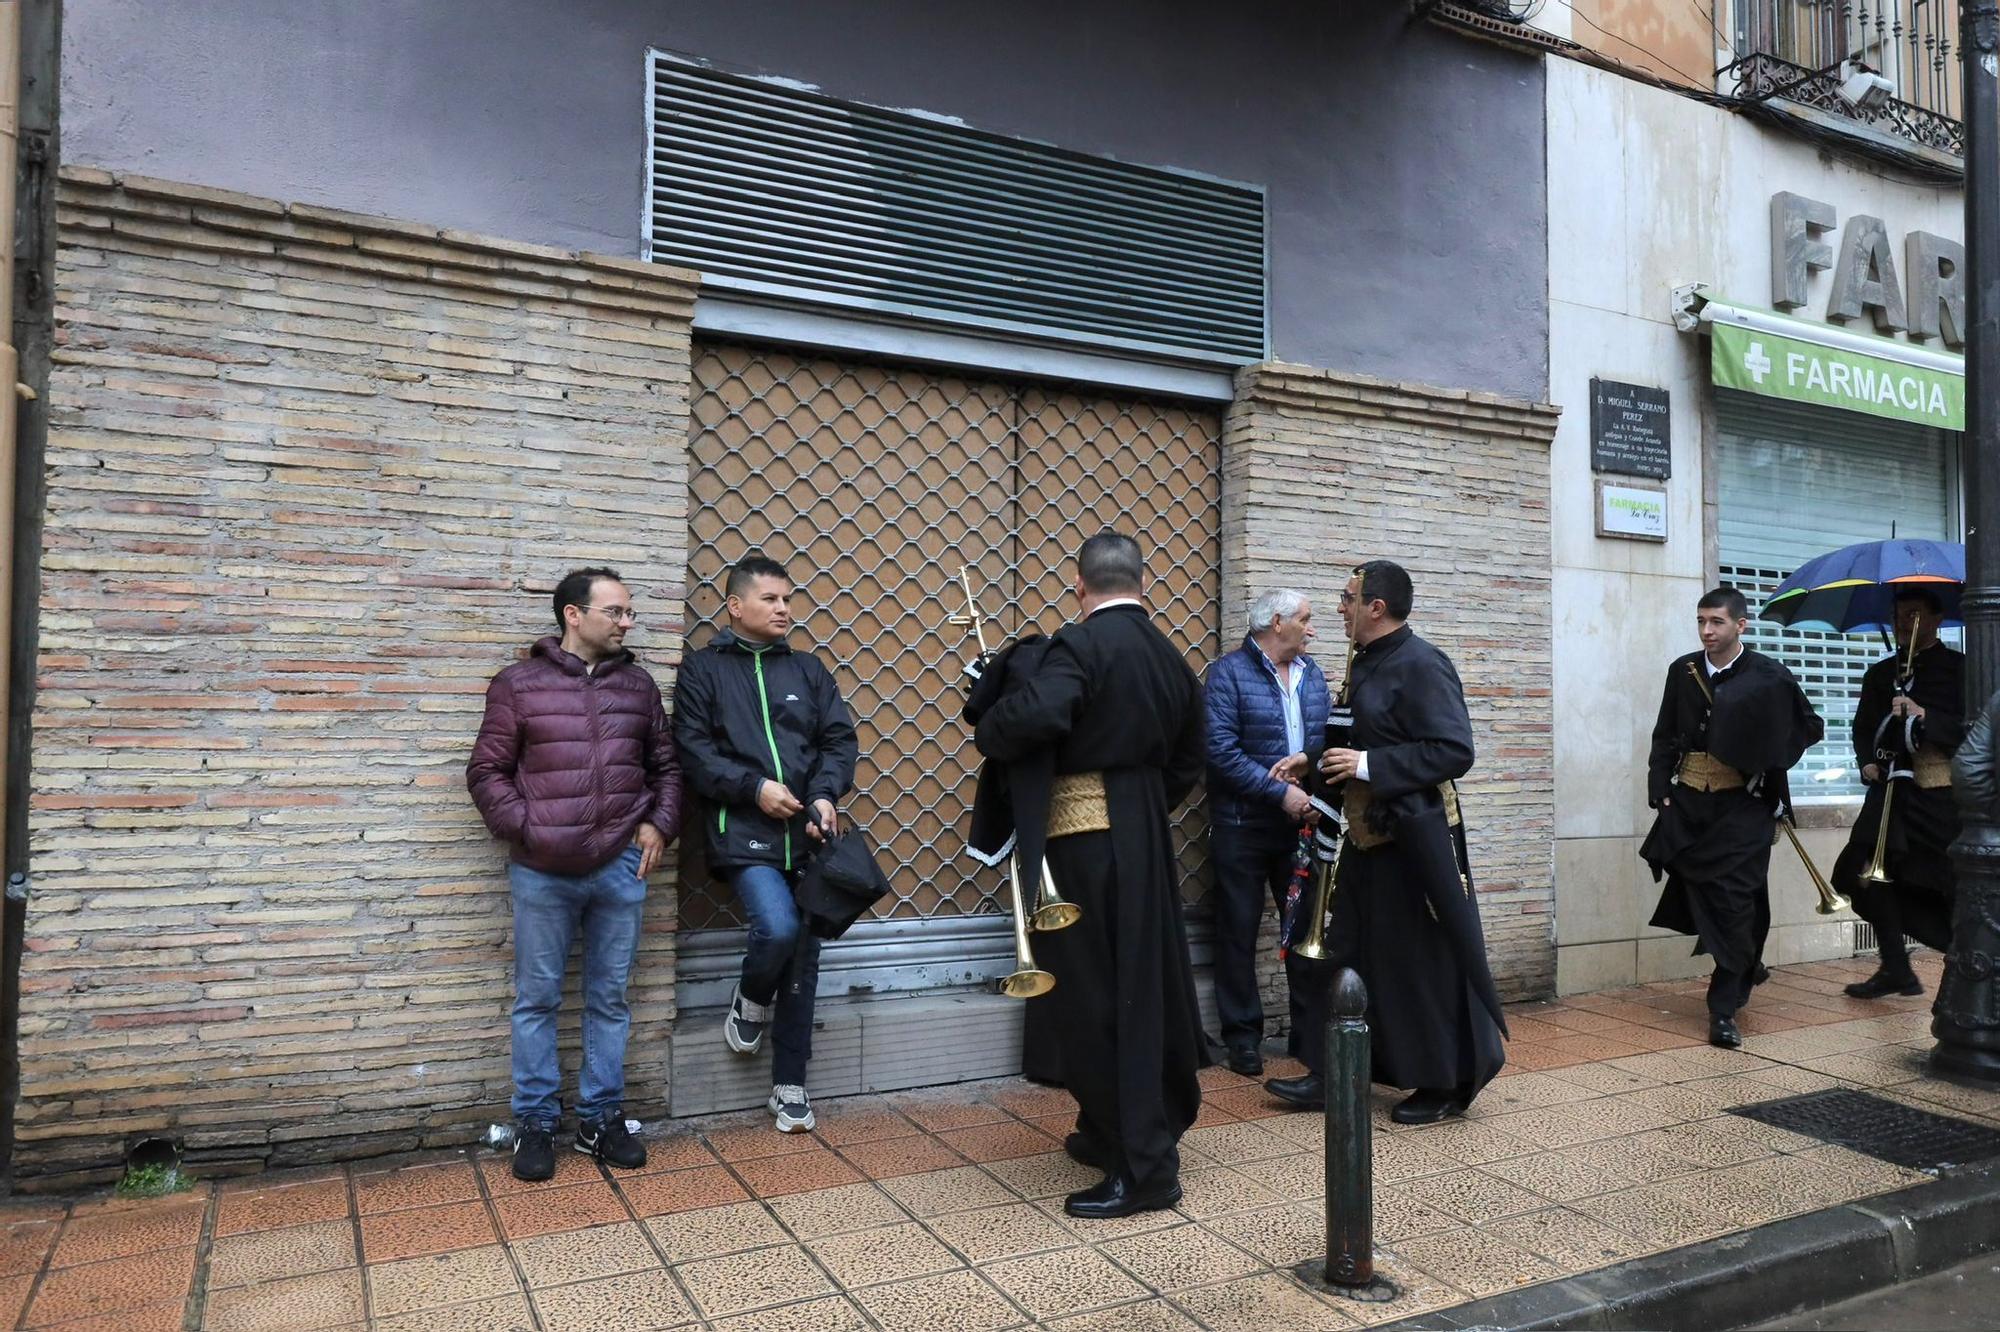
(1120,712)
(1732,723)
(1403,914)
(1909,726)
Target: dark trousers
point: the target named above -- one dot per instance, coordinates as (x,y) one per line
(1252,865)
(1728,988)
(1896,910)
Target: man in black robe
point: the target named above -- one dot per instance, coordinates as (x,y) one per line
(1910,725)
(1732,723)
(1403,914)
(1120,712)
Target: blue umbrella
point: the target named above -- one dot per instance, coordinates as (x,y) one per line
(1853,590)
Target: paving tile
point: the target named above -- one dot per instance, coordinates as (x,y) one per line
(1049,1175)
(1213,1192)
(1401,1157)
(1606,1046)
(1585,1020)
(577,1255)
(1155,1315)
(848,1128)
(1180,1256)
(1049,1285)
(1399,1216)
(964,1187)
(1027,1101)
(1473,1196)
(415,1186)
(1597,1167)
(271,1209)
(832,1314)
(681,1191)
(1232,1144)
(637,1302)
(1217,1077)
(1281,1236)
(887,1158)
(506,1313)
(24,1246)
(1421,1293)
(1663,1215)
(570,1208)
(714,1231)
(1299,1177)
(1057,1126)
(1585,1121)
(1476,1263)
(999,1142)
(271,1255)
(1472,1141)
(756,1140)
(572,1168)
(1301,1128)
(953,1302)
(161,1224)
(836,1211)
(414,1231)
(1246,1103)
(672,1151)
(1209,1114)
(754,1279)
(1266,1302)
(893,1253)
(773,1176)
(439,1279)
(1569,1239)
(298,1304)
(1709,1143)
(113,1285)
(167,1316)
(1098,1231)
(992,1233)
(1530,1091)
(938,1113)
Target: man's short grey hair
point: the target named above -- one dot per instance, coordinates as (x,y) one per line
(1109,563)
(1282,602)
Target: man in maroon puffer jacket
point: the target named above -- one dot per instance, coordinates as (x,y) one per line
(575,770)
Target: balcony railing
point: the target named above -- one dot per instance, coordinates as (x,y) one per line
(1890,68)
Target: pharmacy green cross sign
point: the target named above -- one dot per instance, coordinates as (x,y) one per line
(1757,360)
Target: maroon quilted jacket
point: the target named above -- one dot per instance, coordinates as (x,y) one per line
(569,760)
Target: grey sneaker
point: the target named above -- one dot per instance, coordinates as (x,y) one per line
(744,1027)
(793,1108)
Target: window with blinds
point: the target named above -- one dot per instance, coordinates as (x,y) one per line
(1795,482)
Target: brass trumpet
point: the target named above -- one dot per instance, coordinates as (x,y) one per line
(1325,876)
(1878,864)
(1830,901)
(1027,980)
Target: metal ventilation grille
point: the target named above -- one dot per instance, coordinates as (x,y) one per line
(770,189)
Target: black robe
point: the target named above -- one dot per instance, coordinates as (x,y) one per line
(1714,847)
(1922,823)
(1404,915)
(1112,695)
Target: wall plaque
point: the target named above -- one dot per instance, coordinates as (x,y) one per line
(1628,430)
(1635,513)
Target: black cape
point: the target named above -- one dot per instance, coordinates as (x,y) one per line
(1922,823)
(1112,695)
(1404,915)
(1714,847)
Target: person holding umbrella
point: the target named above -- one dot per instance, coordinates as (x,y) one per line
(1907,725)
(1732,723)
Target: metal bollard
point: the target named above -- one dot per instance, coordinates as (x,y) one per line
(1349,1266)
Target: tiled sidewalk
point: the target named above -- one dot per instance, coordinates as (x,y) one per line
(942,1210)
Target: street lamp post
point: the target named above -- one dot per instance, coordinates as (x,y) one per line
(1966,1019)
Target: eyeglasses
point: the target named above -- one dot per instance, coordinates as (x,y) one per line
(623,613)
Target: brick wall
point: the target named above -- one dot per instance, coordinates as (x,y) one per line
(311,479)
(1322,470)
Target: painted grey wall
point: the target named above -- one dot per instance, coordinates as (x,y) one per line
(1404,165)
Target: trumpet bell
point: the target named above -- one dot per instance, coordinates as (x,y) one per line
(1832,904)
(1027,983)
(1052,910)
(1312,949)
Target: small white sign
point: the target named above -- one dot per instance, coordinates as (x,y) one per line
(1634,513)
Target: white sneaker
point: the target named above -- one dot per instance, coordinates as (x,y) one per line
(793,1109)
(744,1027)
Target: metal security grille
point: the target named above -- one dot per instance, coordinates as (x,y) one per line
(771,189)
(873,484)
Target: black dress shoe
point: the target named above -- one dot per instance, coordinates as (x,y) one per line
(1118,1196)
(1722,1032)
(1428,1106)
(1760,975)
(1882,983)
(1307,1092)
(1244,1059)
(1085,1151)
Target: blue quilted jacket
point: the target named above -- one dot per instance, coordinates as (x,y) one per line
(1246,735)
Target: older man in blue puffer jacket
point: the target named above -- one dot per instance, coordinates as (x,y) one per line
(1267,701)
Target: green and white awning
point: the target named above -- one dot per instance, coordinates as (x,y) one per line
(1779,357)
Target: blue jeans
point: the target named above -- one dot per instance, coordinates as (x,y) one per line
(548,911)
(782,960)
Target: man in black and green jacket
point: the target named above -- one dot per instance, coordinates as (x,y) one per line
(767,744)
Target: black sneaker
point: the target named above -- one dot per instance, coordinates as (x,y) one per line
(611,1142)
(534,1153)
